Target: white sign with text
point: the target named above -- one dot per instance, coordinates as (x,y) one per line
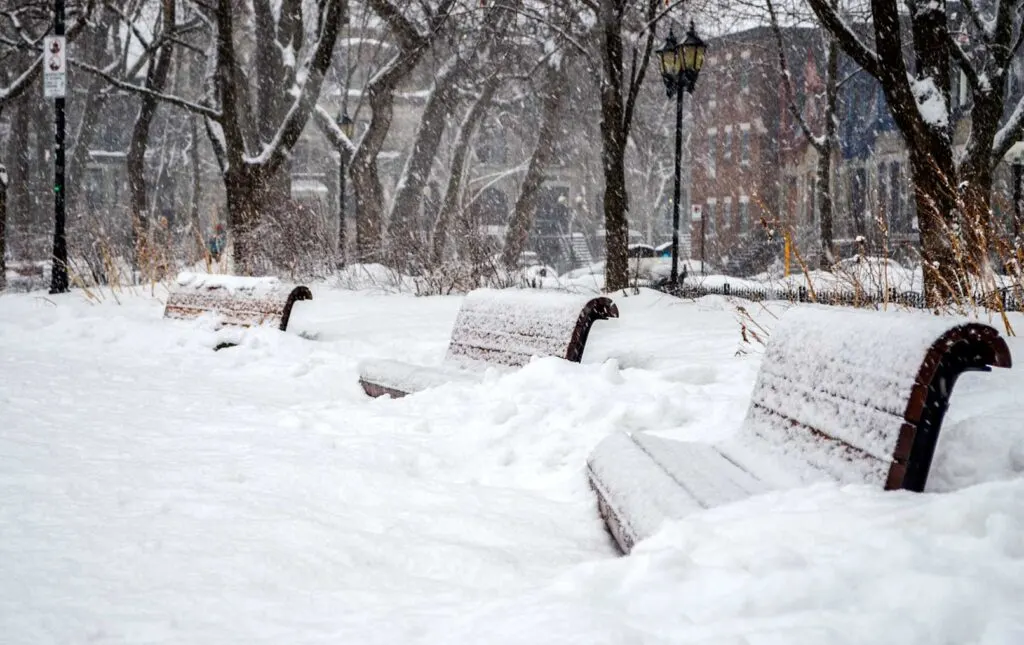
(55,67)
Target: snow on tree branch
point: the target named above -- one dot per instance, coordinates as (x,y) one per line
(851,43)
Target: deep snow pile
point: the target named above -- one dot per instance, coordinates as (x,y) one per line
(152,490)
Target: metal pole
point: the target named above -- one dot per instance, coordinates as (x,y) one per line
(677,192)
(59,261)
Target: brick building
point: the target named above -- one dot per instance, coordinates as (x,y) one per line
(740,142)
(752,164)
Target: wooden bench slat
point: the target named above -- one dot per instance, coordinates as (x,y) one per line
(863,426)
(701,470)
(799,454)
(635,496)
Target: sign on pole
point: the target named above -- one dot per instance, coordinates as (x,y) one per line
(55,67)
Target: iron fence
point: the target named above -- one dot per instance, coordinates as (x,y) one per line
(1007,299)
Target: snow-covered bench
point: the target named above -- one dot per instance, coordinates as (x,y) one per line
(502,328)
(842,395)
(235,300)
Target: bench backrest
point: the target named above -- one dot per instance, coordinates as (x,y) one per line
(508,326)
(860,395)
(240,301)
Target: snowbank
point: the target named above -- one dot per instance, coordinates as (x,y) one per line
(154,491)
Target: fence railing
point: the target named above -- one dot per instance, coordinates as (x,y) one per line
(1007,299)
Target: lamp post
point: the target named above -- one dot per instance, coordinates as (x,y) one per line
(347,127)
(681,63)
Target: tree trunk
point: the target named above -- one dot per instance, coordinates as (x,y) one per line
(525,210)
(20,170)
(404,232)
(935,195)
(403,240)
(616,214)
(975,217)
(366,184)
(613,153)
(247,198)
(3,227)
(260,184)
(975,182)
(439,236)
(98,53)
(197,187)
(156,79)
(827,257)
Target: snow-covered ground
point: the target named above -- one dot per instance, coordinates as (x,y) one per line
(155,491)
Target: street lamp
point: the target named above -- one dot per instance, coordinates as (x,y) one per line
(680,65)
(347,127)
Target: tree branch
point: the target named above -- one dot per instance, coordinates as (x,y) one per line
(201,110)
(851,43)
(787,81)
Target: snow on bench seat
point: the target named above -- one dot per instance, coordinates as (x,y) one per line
(842,395)
(503,328)
(235,300)
(395,378)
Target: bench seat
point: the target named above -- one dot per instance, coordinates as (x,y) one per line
(842,395)
(642,480)
(396,378)
(496,328)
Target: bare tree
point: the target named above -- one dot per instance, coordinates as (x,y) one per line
(414,40)
(252,172)
(912,56)
(449,204)
(156,81)
(475,42)
(619,92)
(551,91)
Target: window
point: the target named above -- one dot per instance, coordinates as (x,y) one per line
(884,207)
(744,217)
(898,220)
(709,218)
(93,188)
(727,213)
(793,199)
(858,201)
(727,144)
(745,147)
(744,80)
(712,152)
(812,198)
(490,147)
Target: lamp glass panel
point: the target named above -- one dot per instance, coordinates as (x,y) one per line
(670,62)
